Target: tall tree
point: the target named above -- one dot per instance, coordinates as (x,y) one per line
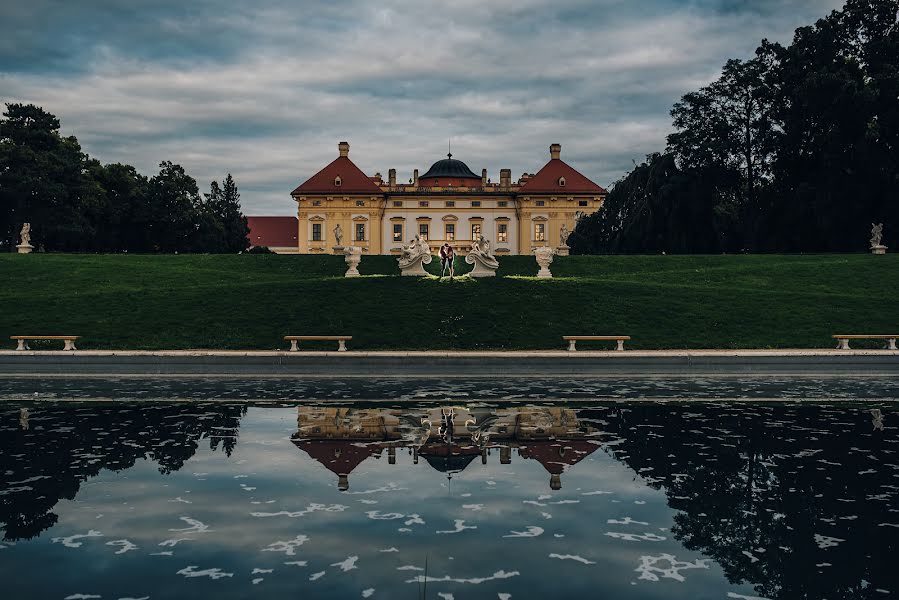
(43,180)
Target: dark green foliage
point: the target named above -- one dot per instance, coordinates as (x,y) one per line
(795,150)
(251,301)
(74,203)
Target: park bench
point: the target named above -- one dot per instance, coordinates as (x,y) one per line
(843,340)
(572,339)
(23,340)
(341,340)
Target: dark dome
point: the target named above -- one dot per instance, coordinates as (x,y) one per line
(450,167)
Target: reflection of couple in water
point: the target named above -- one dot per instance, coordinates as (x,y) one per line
(447,256)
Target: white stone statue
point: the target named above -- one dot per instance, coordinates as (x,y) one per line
(564,234)
(544,255)
(25,246)
(485,263)
(338,235)
(352,259)
(413,258)
(876,237)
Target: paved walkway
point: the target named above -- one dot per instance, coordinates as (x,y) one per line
(447,364)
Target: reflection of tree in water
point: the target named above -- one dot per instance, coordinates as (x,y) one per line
(64,445)
(765,490)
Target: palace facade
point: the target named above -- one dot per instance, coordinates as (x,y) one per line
(448,203)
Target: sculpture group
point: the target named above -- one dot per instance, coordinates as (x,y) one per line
(417,253)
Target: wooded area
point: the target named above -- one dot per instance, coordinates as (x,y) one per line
(794,150)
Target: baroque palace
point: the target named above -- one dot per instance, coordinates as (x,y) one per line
(448,203)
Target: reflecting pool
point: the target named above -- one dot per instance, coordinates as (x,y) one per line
(457,499)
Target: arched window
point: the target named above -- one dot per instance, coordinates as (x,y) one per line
(561,182)
(338,181)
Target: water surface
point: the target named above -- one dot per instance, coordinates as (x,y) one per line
(466,498)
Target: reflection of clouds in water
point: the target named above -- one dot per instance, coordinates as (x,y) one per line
(529,532)
(288,547)
(126,546)
(69,541)
(573,557)
(458,527)
(347,564)
(501,574)
(651,567)
(636,537)
(216,573)
(311,508)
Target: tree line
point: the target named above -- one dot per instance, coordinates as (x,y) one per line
(76,204)
(793,150)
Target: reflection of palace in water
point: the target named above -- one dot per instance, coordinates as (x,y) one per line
(447,438)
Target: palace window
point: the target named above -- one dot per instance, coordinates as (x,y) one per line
(503,203)
(582,203)
(502,232)
(561,182)
(540,203)
(316,232)
(360,232)
(397,232)
(316,203)
(450,231)
(423,231)
(539,232)
(475,203)
(423,203)
(475,230)
(450,203)
(338,181)
(360,202)
(398,204)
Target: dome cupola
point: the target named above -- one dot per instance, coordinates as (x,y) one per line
(449,171)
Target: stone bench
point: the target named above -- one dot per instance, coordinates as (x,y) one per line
(843,340)
(340,339)
(23,340)
(572,340)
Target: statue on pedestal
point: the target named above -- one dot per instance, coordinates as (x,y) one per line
(338,235)
(544,256)
(485,263)
(413,258)
(876,238)
(564,234)
(25,246)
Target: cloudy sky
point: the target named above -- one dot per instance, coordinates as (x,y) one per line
(265,90)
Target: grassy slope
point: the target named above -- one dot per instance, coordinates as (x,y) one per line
(247,301)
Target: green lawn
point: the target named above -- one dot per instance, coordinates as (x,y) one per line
(251,301)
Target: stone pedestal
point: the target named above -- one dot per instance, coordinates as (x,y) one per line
(339,249)
(544,256)
(878,249)
(415,268)
(25,248)
(353,257)
(480,270)
(563,250)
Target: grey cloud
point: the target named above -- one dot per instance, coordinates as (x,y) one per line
(266,91)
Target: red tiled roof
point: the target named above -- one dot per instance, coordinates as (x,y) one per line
(272,231)
(339,457)
(352,180)
(557,456)
(547,180)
